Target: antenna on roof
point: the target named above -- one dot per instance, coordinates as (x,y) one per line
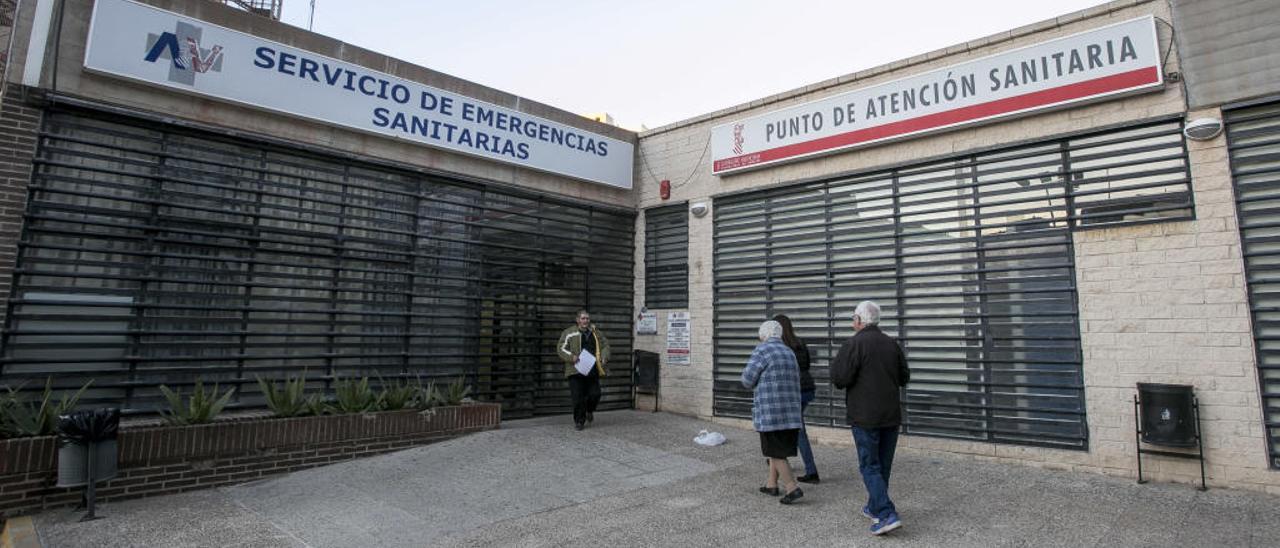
(265,8)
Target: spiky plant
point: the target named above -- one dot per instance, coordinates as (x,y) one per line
(39,417)
(352,396)
(201,407)
(398,395)
(288,401)
(456,392)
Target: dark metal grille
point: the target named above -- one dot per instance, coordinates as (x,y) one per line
(152,254)
(666,257)
(1253,136)
(971,260)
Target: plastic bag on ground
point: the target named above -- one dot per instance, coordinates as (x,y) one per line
(709,438)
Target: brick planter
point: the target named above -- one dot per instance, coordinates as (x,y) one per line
(171,459)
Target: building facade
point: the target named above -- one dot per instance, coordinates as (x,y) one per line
(192,192)
(1039,248)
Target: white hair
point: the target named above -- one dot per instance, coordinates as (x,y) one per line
(770,330)
(868,312)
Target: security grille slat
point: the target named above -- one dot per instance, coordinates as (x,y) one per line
(666,256)
(1253,138)
(154,255)
(969,258)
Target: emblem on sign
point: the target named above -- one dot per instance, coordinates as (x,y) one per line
(185,64)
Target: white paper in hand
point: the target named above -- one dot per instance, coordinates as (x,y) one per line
(585,362)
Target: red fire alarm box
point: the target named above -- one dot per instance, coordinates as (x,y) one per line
(664,189)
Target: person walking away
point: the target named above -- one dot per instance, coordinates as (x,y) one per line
(775,411)
(872,368)
(808,390)
(584,389)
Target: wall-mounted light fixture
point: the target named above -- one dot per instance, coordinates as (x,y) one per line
(698,209)
(1202,129)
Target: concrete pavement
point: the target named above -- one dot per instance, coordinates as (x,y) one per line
(637,479)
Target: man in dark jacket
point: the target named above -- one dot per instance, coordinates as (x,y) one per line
(584,389)
(872,369)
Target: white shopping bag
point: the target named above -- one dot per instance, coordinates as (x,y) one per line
(709,438)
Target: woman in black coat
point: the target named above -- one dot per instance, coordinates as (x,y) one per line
(807,392)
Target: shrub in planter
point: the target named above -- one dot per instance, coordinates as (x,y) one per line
(317,405)
(398,395)
(427,396)
(39,417)
(352,396)
(200,408)
(456,392)
(290,400)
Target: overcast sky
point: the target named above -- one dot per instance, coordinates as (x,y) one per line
(661,61)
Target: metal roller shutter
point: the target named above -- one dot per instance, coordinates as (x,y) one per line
(154,254)
(971,261)
(1253,138)
(666,256)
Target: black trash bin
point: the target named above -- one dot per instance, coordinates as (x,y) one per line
(1167,415)
(88,450)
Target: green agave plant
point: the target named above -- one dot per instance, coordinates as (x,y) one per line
(288,401)
(397,395)
(352,396)
(200,408)
(317,405)
(456,392)
(427,396)
(38,417)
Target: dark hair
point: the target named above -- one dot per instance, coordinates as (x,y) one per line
(581,311)
(788,333)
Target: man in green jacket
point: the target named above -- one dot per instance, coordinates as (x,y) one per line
(575,341)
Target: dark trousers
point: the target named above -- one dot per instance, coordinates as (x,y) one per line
(875,460)
(585,392)
(806,451)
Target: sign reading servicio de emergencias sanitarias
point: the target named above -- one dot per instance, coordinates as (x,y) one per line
(157,47)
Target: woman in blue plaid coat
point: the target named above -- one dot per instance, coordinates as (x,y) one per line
(775,412)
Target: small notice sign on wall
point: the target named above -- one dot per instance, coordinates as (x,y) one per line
(647,323)
(678,338)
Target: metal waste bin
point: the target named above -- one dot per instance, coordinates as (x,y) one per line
(88,450)
(79,431)
(1167,415)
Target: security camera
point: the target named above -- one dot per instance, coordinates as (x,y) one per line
(698,209)
(1202,129)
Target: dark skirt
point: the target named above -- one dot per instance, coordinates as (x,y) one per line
(779,444)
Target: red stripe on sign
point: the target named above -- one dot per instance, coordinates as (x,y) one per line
(1106,84)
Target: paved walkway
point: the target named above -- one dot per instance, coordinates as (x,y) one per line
(637,479)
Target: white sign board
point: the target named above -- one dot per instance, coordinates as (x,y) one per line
(1114,60)
(647,323)
(162,48)
(678,338)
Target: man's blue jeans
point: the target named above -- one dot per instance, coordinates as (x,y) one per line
(875,461)
(806,452)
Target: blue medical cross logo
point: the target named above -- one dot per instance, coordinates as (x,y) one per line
(182,48)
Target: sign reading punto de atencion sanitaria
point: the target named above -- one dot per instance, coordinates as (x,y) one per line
(139,42)
(1102,63)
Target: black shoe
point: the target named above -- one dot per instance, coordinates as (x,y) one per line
(579,426)
(591,417)
(790,498)
(771,491)
(809,478)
